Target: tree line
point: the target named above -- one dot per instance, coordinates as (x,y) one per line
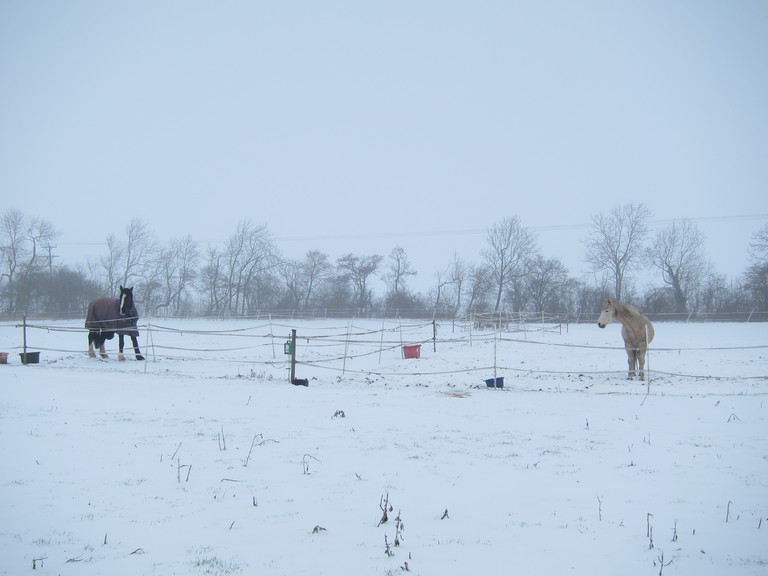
(247,275)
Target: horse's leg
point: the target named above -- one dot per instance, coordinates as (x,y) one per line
(91,352)
(135,342)
(632,362)
(641,363)
(120,344)
(98,341)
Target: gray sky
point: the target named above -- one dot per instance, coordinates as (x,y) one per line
(357,126)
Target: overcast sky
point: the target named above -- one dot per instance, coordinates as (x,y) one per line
(358,126)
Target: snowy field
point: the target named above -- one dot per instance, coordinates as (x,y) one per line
(205,460)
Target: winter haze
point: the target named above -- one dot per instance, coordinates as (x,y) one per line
(359,126)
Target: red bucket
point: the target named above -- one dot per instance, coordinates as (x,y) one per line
(412,351)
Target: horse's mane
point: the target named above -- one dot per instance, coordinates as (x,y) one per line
(622,307)
(624,310)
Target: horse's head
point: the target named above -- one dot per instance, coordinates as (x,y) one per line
(608,314)
(126,301)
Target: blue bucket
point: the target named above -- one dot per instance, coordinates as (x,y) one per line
(495,382)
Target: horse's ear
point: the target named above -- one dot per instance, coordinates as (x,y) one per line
(121,287)
(609,301)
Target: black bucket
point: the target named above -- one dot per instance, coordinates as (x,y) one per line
(30,357)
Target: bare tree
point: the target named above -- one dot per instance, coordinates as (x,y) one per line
(479,289)
(714,293)
(140,251)
(249,253)
(357,270)
(450,287)
(292,274)
(177,264)
(678,253)
(396,277)
(264,289)
(132,260)
(759,245)
(510,244)
(616,242)
(457,276)
(40,234)
(111,264)
(303,278)
(316,268)
(544,282)
(13,247)
(336,292)
(211,280)
(756,276)
(24,243)
(437,295)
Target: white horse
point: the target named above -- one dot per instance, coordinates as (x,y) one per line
(636,330)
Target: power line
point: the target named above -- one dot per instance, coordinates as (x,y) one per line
(476,231)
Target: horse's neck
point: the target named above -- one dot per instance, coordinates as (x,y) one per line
(625,314)
(636,324)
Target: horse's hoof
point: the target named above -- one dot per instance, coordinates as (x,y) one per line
(104,355)
(121,358)
(91,354)
(139,357)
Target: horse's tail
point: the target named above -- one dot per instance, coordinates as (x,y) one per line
(649,330)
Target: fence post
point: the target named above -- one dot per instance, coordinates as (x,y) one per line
(293,355)
(150,342)
(272,335)
(381,340)
(346,348)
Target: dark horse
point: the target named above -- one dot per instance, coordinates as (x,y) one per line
(109,316)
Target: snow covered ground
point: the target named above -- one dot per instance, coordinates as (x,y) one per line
(205,460)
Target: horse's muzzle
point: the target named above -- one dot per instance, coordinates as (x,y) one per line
(601,325)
